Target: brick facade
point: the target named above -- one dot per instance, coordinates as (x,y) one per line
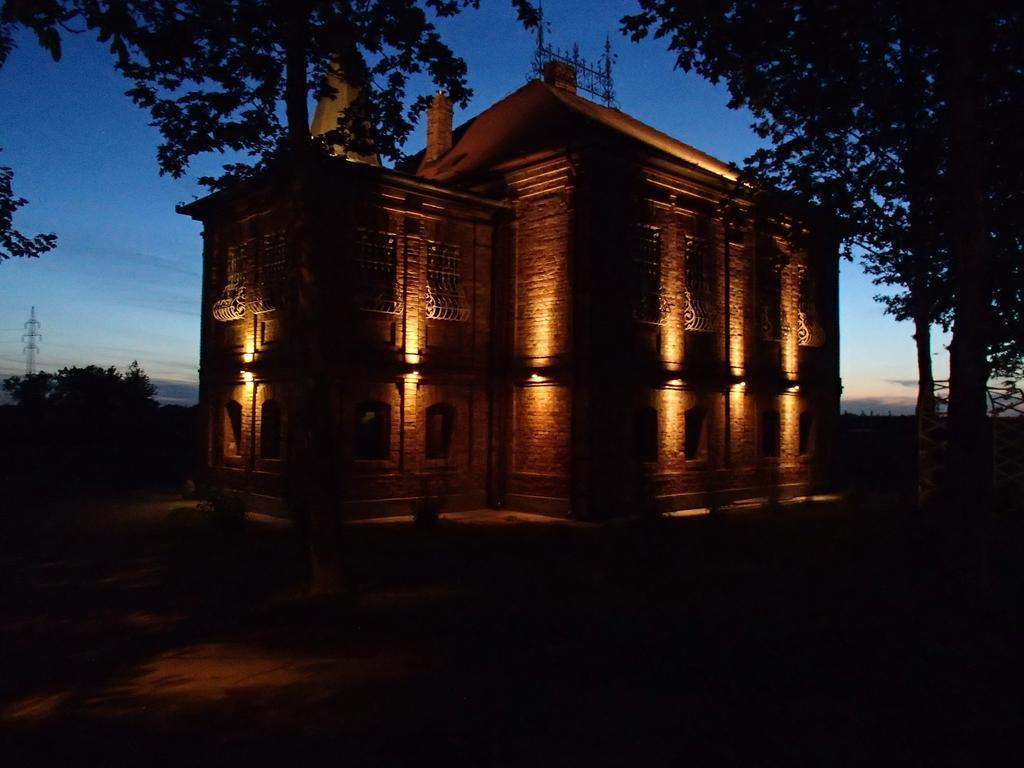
(539,330)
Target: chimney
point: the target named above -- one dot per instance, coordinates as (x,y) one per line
(439,127)
(561,75)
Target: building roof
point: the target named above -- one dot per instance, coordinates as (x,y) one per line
(543,116)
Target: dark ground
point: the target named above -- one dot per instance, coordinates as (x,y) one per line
(143,633)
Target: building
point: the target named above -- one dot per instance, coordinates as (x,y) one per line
(553,308)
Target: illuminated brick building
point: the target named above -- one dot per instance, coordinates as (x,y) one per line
(546,310)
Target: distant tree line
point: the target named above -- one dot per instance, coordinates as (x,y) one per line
(92,428)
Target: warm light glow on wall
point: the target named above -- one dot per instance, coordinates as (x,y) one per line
(247,357)
(536,378)
(789,322)
(675,382)
(789,406)
(672,409)
(412,336)
(672,341)
(737,419)
(736,361)
(247,377)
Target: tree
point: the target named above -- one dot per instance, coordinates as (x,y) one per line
(12,242)
(237,76)
(876,111)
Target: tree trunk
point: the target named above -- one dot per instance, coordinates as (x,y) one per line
(312,491)
(969,479)
(925,377)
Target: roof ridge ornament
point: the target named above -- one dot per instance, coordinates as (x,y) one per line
(594,79)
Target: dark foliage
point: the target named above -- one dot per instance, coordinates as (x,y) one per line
(91,427)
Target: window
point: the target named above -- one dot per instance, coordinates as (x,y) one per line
(373,431)
(445,300)
(270,430)
(645,263)
(234,297)
(376,272)
(440,418)
(809,332)
(645,434)
(270,273)
(806,433)
(770,263)
(698,292)
(693,433)
(233,428)
(771,435)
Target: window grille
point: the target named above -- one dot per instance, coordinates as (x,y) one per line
(445,297)
(769,296)
(376,272)
(645,258)
(698,293)
(232,302)
(270,280)
(809,330)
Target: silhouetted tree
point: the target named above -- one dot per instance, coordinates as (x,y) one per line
(884,114)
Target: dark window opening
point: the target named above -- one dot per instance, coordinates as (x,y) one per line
(645,260)
(270,430)
(806,433)
(373,431)
(440,418)
(645,434)
(233,428)
(693,434)
(771,434)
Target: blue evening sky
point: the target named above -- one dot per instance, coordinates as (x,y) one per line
(124,281)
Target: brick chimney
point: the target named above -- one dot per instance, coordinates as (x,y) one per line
(561,75)
(439,126)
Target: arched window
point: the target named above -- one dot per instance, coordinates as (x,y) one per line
(373,430)
(771,435)
(233,428)
(270,430)
(440,418)
(806,433)
(645,433)
(693,433)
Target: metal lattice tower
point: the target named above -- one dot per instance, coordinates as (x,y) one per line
(31,339)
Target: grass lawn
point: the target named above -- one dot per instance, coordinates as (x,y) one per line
(141,632)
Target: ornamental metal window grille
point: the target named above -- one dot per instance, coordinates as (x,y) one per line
(233,298)
(769,296)
(376,272)
(645,262)
(271,274)
(809,332)
(445,297)
(698,293)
